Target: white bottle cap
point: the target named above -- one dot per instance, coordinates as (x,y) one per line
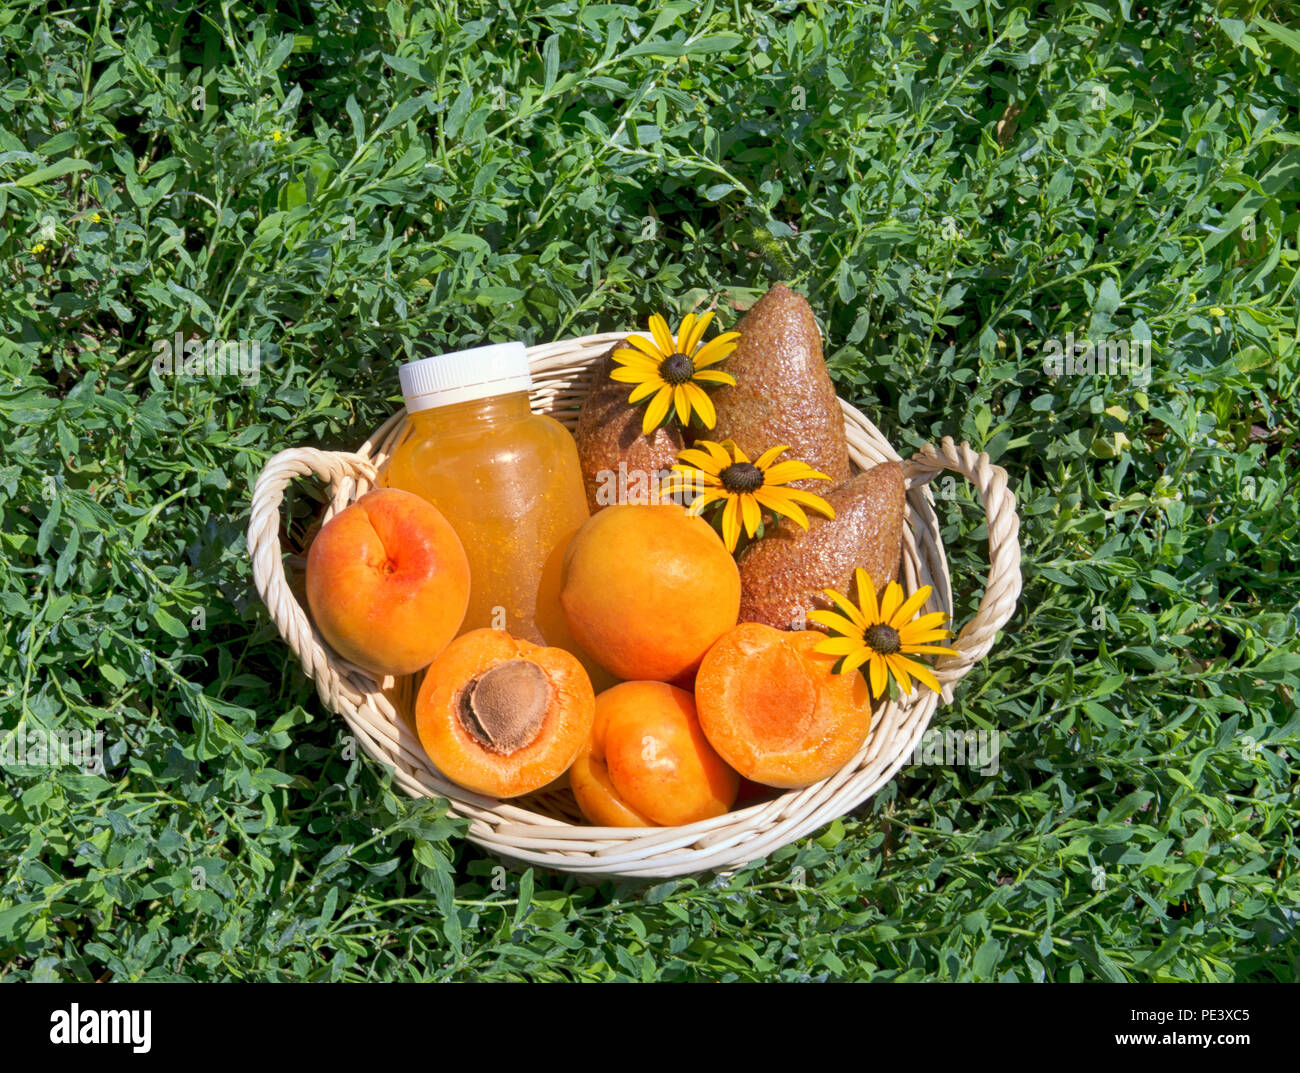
(465,375)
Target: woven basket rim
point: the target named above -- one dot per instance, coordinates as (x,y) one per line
(537,830)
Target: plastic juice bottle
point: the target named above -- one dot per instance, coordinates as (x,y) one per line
(507,480)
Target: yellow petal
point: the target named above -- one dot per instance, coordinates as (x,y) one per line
(922,673)
(854,660)
(928,622)
(910,607)
(909,634)
(697,333)
(704,499)
(808,499)
(792,470)
(630,374)
(769,456)
(644,391)
(898,666)
(835,622)
(731,523)
(879,676)
(866,595)
(752,515)
(657,410)
(701,460)
(837,646)
(846,605)
(922,638)
(777,503)
(714,376)
(682,402)
(675,481)
(893,598)
(717,452)
(736,452)
(696,478)
(636,359)
(684,334)
(928,650)
(702,404)
(663,337)
(647,348)
(717,348)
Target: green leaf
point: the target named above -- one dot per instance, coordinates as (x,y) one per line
(399,115)
(551,62)
(66,166)
(1282,34)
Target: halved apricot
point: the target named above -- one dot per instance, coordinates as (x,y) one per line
(774,709)
(502,716)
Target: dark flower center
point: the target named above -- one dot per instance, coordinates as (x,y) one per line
(741,477)
(676,369)
(883,639)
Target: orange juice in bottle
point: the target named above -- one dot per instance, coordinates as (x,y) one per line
(507,480)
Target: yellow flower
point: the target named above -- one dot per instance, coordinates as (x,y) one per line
(38,248)
(1218,311)
(672,370)
(884,635)
(747,487)
(276,136)
(95,218)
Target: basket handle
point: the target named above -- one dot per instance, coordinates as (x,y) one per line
(1003,585)
(341,472)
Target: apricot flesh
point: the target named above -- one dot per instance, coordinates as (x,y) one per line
(647,589)
(774,709)
(388,582)
(502,716)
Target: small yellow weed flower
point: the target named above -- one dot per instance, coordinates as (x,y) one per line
(38,248)
(672,370)
(748,488)
(883,635)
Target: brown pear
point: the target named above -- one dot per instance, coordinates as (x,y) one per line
(619,462)
(783,393)
(783,574)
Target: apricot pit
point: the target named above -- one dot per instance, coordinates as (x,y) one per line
(503,709)
(502,716)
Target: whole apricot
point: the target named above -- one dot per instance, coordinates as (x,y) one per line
(388,582)
(649,760)
(589,779)
(647,589)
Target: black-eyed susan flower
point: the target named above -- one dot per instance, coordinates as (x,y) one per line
(883,635)
(747,488)
(672,370)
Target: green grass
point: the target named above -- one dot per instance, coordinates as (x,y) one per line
(954,185)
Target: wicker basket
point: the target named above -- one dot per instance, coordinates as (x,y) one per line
(545,829)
